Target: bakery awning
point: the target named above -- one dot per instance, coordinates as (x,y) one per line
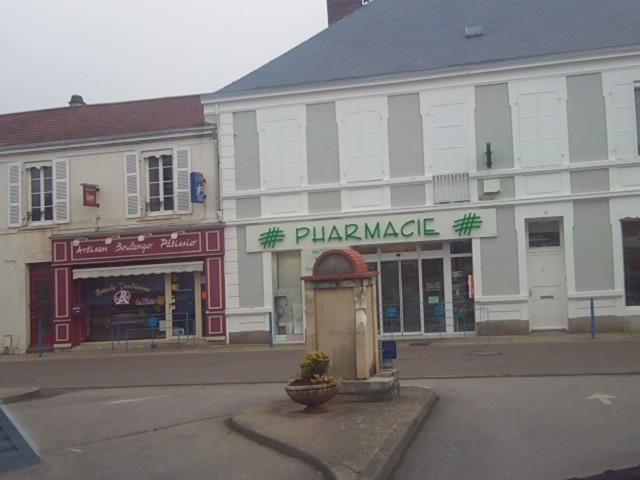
(138,270)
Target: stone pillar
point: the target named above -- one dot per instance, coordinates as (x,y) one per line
(340,301)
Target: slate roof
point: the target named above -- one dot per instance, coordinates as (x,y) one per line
(101,121)
(390,38)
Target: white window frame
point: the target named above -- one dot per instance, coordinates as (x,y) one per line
(136,176)
(363,140)
(20,195)
(41,194)
(539,91)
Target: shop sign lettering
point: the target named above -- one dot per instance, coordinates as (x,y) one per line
(366,231)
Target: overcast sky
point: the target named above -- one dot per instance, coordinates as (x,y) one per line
(118,50)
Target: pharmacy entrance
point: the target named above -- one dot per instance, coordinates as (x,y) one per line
(424,288)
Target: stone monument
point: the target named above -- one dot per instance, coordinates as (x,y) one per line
(341,309)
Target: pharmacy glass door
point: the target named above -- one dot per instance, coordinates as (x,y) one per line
(400,293)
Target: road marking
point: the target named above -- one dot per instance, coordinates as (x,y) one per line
(129,400)
(603,397)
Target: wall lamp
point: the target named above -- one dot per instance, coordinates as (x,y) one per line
(76,241)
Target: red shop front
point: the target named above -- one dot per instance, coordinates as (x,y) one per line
(160,285)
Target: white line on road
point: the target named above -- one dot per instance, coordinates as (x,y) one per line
(603,397)
(129,400)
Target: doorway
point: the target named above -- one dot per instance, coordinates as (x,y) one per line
(548,308)
(41,303)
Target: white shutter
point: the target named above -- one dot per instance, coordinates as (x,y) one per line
(372,145)
(363,146)
(132,185)
(182,188)
(61,190)
(282,153)
(539,122)
(625,142)
(449,138)
(290,142)
(15,195)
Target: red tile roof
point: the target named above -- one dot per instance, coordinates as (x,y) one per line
(103,120)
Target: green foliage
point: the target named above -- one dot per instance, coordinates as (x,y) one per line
(315,365)
(314,368)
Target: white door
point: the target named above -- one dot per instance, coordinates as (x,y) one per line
(547,290)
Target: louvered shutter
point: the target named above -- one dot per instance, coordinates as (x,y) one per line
(449,139)
(15,195)
(624,128)
(132,185)
(282,153)
(363,146)
(183,169)
(290,142)
(539,122)
(61,190)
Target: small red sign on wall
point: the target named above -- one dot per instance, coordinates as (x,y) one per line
(90,195)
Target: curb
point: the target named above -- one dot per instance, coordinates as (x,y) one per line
(378,467)
(13,395)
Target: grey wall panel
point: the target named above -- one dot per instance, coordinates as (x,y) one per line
(500,257)
(590,181)
(406,146)
(493,125)
(248,208)
(246,151)
(408,196)
(250,274)
(592,246)
(323,202)
(323,160)
(586,118)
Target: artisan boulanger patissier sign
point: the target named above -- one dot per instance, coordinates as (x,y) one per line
(135,246)
(447,225)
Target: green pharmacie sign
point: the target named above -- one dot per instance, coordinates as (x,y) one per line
(376,230)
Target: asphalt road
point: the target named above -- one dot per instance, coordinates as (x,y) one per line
(538,410)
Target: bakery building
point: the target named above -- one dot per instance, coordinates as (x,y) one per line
(113,225)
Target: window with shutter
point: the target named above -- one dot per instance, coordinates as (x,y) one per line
(539,129)
(183,168)
(61,190)
(132,185)
(449,138)
(15,195)
(624,117)
(363,157)
(282,153)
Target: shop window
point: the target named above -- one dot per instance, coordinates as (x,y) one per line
(544,234)
(631,257)
(288,323)
(462,294)
(47,194)
(463,246)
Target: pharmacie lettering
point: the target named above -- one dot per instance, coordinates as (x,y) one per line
(366,231)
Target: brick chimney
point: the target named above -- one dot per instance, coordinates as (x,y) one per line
(337,9)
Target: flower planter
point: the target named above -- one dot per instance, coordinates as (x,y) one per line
(312,395)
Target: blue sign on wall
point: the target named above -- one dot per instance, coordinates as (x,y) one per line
(197,188)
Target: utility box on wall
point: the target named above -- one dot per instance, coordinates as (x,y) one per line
(197,187)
